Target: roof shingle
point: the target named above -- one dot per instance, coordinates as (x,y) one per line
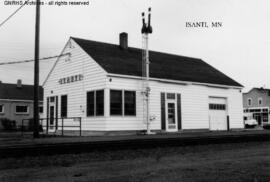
(11,91)
(162,65)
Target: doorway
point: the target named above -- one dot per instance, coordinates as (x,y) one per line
(171,116)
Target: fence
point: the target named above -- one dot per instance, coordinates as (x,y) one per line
(59,125)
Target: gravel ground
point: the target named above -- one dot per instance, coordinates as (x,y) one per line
(220,162)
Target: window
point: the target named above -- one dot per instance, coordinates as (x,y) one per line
(64,106)
(95,103)
(100,103)
(21,109)
(259,101)
(90,103)
(249,101)
(170,96)
(40,109)
(51,99)
(116,102)
(123,103)
(217,106)
(130,103)
(1,109)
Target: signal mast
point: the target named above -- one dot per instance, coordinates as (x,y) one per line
(146,30)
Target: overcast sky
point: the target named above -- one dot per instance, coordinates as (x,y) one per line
(240,48)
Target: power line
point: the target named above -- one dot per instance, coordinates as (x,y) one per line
(31,60)
(10,16)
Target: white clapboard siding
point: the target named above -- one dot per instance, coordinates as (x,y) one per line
(194,98)
(127,122)
(194,104)
(94,78)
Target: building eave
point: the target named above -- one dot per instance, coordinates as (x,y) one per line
(18,100)
(176,81)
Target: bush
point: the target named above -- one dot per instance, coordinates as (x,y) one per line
(8,124)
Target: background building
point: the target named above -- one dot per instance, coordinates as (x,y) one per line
(102,83)
(16,101)
(257,102)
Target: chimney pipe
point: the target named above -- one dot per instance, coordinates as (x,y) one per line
(19,83)
(123,40)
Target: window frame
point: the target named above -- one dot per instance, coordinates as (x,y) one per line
(215,106)
(249,99)
(61,106)
(95,103)
(3,109)
(123,103)
(260,99)
(88,92)
(23,113)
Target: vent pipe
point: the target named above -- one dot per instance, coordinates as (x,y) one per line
(123,40)
(19,83)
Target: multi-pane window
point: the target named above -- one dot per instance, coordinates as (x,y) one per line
(100,103)
(116,102)
(217,106)
(1,109)
(122,102)
(21,109)
(52,99)
(130,103)
(170,96)
(90,103)
(95,103)
(64,106)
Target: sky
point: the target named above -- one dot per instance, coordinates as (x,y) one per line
(239,48)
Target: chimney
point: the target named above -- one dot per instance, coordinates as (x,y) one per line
(123,40)
(19,83)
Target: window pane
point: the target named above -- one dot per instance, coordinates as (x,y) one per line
(1,108)
(90,104)
(21,109)
(116,102)
(130,103)
(51,99)
(170,96)
(64,106)
(249,102)
(100,103)
(217,106)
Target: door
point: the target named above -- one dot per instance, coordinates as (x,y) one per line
(52,114)
(171,116)
(51,118)
(217,114)
(258,118)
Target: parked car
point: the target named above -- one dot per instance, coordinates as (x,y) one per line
(249,121)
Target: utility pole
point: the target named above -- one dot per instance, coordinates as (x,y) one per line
(146,30)
(36,72)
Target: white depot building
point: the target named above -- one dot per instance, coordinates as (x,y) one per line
(102,83)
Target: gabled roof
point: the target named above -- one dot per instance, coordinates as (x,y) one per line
(115,60)
(11,91)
